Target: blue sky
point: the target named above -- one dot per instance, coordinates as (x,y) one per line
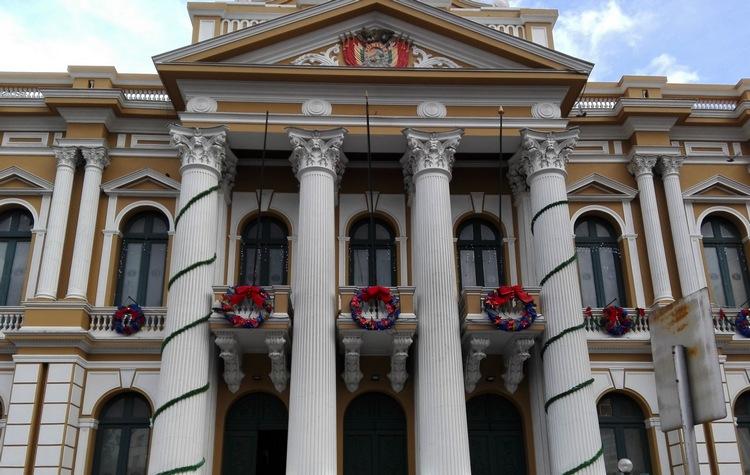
(687,40)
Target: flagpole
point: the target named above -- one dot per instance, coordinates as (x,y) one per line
(259,201)
(371,205)
(500,113)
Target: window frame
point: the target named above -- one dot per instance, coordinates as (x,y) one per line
(619,423)
(126,426)
(379,244)
(247,241)
(721,244)
(477,245)
(595,243)
(13,237)
(147,239)
(742,418)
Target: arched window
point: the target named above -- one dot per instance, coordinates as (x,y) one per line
(725,262)
(375,436)
(272,260)
(366,268)
(623,430)
(495,436)
(122,436)
(143,259)
(742,413)
(15,239)
(480,250)
(255,433)
(599,263)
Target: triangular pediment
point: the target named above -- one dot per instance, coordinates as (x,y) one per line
(596,187)
(145,182)
(718,188)
(15,181)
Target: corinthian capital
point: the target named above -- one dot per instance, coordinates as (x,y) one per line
(547,150)
(642,164)
(670,164)
(200,147)
(317,149)
(67,156)
(430,151)
(516,175)
(96,157)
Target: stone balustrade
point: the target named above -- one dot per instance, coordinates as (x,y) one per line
(11,319)
(102,323)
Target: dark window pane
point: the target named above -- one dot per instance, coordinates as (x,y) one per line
(487,233)
(276,231)
(586,274)
(610,451)
(132,272)
(360,269)
(6,221)
(489,265)
(582,229)
(109,450)
(138,451)
(123,436)
(137,225)
(714,275)
(468,269)
(271,247)
(360,233)
(636,450)
(24,222)
(114,410)
(383,261)
(381,232)
(159,226)
(467,233)
(480,254)
(155,284)
(743,438)
(727,230)
(707,229)
(18,273)
(608,259)
(276,262)
(737,274)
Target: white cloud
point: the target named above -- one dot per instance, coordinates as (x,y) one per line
(667,65)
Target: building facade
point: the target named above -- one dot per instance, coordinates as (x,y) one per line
(486,159)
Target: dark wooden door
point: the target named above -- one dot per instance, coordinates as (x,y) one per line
(495,436)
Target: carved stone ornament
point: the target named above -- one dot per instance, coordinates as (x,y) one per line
(475,353)
(329,57)
(232,356)
(375,48)
(276,343)
(201,104)
(398,374)
(430,151)
(514,363)
(316,107)
(516,176)
(547,150)
(318,149)
(96,157)
(546,110)
(670,164)
(200,147)
(432,110)
(67,156)
(642,165)
(352,375)
(423,59)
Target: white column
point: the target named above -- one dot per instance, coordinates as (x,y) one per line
(49,273)
(572,421)
(96,160)
(443,442)
(669,167)
(179,431)
(318,164)
(85,426)
(522,202)
(642,167)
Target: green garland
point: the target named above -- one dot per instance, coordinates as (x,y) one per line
(575,388)
(560,335)
(587,463)
(171,336)
(541,212)
(558,269)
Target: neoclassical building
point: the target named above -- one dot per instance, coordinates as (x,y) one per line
(251,163)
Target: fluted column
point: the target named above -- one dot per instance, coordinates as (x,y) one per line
(669,167)
(318,164)
(522,202)
(180,421)
(49,273)
(642,167)
(96,160)
(572,422)
(443,441)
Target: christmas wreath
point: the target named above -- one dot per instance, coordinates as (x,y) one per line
(375,298)
(510,308)
(616,320)
(245,306)
(741,323)
(129,319)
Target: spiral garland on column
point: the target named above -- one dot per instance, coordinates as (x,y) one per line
(183,329)
(556,338)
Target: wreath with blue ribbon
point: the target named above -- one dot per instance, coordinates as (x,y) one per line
(128,320)
(616,320)
(741,323)
(374,296)
(510,308)
(234,309)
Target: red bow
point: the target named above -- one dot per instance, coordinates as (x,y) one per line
(246,291)
(508,292)
(377,292)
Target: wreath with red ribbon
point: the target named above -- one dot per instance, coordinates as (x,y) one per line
(741,323)
(129,319)
(510,308)
(245,306)
(375,296)
(616,320)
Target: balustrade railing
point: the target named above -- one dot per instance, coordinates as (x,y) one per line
(596,103)
(150,95)
(20,93)
(11,318)
(715,104)
(592,319)
(102,322)
(724,319)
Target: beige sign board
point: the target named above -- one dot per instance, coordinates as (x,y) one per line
(687,323)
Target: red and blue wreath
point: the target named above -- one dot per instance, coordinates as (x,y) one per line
(741,323)
(129,319)
(245,306)
(510,308)
(616,320)
(375,296)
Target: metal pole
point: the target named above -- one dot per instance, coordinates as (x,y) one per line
(500,113)
(259,200)
(690,458)
(372,274)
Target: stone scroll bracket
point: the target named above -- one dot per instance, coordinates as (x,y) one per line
(515,352)
(352,374)
(360,343)
(277,350)
(231,353)
(475,353)
(398,374)
(519,352)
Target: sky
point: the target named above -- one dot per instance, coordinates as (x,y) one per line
(688,41)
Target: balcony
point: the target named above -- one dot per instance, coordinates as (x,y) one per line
(355,342)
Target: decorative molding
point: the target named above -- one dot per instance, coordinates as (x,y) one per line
(97,157)
(621,192)
(642,165)
(514,363)
(67,156)
(318,149)
(398,374)
(25,139)
(423,59)
(231,353)
(276,343)
(329,57)
(352,375)
(474,356)
(200,147)
(118,186)
(546,110)
(432,110)
(316,107)
(694,192)
(516,176)
(670,165)
(430,151)
(543,151)
(202,104)
(42,186)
